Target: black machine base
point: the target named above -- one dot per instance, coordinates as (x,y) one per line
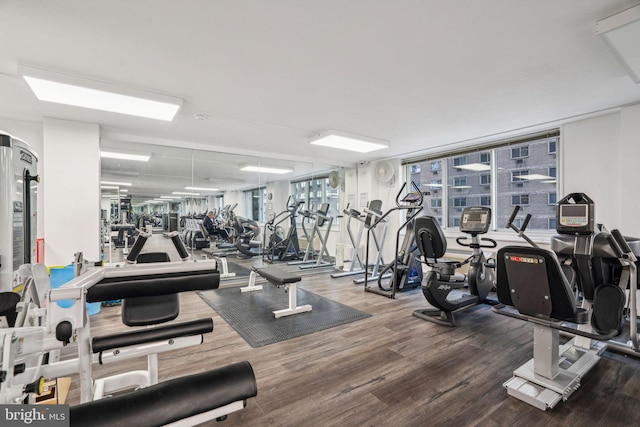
(444,318)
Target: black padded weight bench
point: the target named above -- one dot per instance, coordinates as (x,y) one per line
(148,300)
(278,278)
(188,400)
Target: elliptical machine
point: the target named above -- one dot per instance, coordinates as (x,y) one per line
(442,279)
(247,230)
(406,271)
(365,220)
(283,248)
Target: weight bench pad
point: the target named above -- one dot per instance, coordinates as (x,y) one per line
(153,284)
(170,401)
(276,276)
(196,327)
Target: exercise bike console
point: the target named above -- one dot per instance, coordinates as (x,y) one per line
(475,220)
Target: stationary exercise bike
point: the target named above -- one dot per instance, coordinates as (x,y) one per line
(442,278)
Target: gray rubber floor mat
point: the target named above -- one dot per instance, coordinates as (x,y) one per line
(251,313)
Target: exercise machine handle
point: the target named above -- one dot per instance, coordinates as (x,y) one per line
(417,191)
(513,216)
(493,243)
(621,241)
(398,204)
(460,240)
(615,246)
(520,230)
(624,245)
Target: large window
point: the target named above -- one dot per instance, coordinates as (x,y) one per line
(255,203)
(514,173)
(316,191)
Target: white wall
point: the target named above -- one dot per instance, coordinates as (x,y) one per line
(600,158)
(591,164)
(629,198)
(71,181)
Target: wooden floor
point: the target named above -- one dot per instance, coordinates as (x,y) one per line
(393,369)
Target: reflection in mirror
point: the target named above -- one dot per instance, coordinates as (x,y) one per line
(169,189)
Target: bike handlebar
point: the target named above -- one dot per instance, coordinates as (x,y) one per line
(493,243)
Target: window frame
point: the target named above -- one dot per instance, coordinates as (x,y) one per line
(518,173)
(520,156)
(302,190)
(520,202)
(496,184)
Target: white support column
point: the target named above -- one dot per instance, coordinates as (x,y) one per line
(72,190)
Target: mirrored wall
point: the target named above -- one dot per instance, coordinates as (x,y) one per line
(164,189)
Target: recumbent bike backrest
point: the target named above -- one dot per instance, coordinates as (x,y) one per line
(430,238)
(531,280)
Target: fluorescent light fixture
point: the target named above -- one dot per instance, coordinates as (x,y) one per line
(120,184)
(109,187)
(184,193)
(81,92)
(346,141)
(476,167)
(170,197)
(201,189)
(621,33)
(534,177)
(124,190)
(125,156)
(263,169)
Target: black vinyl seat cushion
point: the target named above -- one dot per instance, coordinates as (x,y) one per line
(169,401)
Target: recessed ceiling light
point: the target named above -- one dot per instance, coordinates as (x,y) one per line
(201,189)
(81,92)
(533,177)
(185,194)
(125,156)
(346,141)
(263,169)
(121,184)
(477,167)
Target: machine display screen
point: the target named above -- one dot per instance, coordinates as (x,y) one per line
(475,220)
(574,215)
